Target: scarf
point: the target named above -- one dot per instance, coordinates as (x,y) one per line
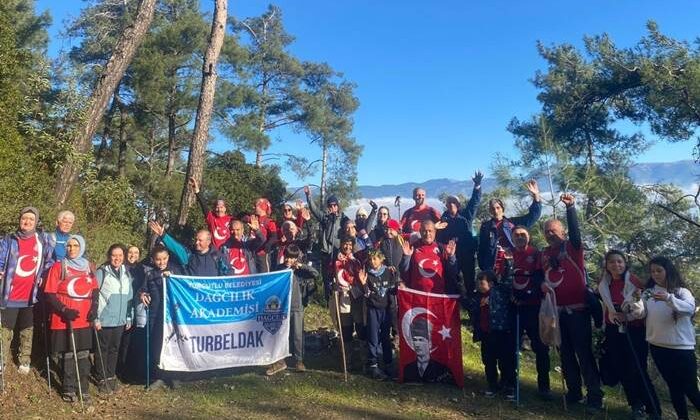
(78,263)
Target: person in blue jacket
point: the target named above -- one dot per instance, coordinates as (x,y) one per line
(496,234)
(202,260)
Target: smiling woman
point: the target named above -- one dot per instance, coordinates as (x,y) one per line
(73,293)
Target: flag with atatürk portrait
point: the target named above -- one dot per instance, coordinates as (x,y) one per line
(430,349)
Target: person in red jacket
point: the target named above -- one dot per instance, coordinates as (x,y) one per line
(429,266)
(217,220)
(263,209)
(412,218)
(526,280)
(72,292)
(564,275)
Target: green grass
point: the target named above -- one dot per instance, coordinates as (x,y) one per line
(247,393)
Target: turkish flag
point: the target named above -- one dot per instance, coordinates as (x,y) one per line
(430,349)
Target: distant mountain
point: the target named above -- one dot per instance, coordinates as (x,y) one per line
(684,174)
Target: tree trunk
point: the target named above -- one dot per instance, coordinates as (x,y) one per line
(324,170)
(114,71)
(121,161)
(195,163)
(172,149)
(101,155)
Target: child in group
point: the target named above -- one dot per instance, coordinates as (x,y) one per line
(349,301)
(493,325)
(378,283)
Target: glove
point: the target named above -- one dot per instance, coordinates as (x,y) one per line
(69,314)
(373,204)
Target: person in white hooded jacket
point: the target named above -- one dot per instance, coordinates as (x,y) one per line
(625,336)
(669,308)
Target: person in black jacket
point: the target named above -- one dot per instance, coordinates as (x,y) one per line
(202,260)
(152,296)
(459,228)
(302,285)
(378,283)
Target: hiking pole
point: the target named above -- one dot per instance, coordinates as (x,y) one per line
(517,355)
(340,328)
(99,353)
(561,375)
(77,367)
(2,356)
(641,372)
(148,349)
(44,319)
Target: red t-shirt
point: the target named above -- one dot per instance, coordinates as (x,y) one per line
(237,261)
(568,280)
(426,272)
(616,289)
(219,228)
(525,264)
(412,218)
(74,291)
(25,274)
(484,313)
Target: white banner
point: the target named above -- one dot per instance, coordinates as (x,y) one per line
(223,322)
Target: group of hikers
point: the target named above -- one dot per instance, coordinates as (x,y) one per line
(115,311)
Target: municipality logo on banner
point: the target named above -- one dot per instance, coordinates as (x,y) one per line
(223,322)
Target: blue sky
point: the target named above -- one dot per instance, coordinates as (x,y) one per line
(438,82)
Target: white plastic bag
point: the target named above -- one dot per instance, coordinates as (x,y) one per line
(550,332)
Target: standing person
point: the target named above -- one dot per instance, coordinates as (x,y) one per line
(131,366)
(378,283)
(64,224)
(412,218)
(351,303)
(302,278)
(239,250)
(362,242)
(73,293)
(495,234)
(25,256)
(263,210)
(527,280)
(619,290)
(459,228)
(291,234)
(288,214)
(366,222)
(218,221)
(330,224)
(429,266)
(391,244)
(115,314)
(493,325)
(377,232)
(669,307)
(151,295)
(202,260)
(562,264)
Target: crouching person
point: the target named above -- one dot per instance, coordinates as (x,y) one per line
(72,293)
(493,326)
(303,279)
(378,283)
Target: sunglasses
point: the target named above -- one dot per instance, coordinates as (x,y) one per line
(287,210)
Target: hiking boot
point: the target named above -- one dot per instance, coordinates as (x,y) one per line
(509,394)
(23,369)
(300,366)
(113,383)
(489,393)
(103,387)
(375,373)
(86,398)
(157,384)
(69,397)
(276,367)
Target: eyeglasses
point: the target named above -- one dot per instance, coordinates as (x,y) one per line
(287,210)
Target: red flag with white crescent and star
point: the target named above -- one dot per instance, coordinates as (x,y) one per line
(430,349)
